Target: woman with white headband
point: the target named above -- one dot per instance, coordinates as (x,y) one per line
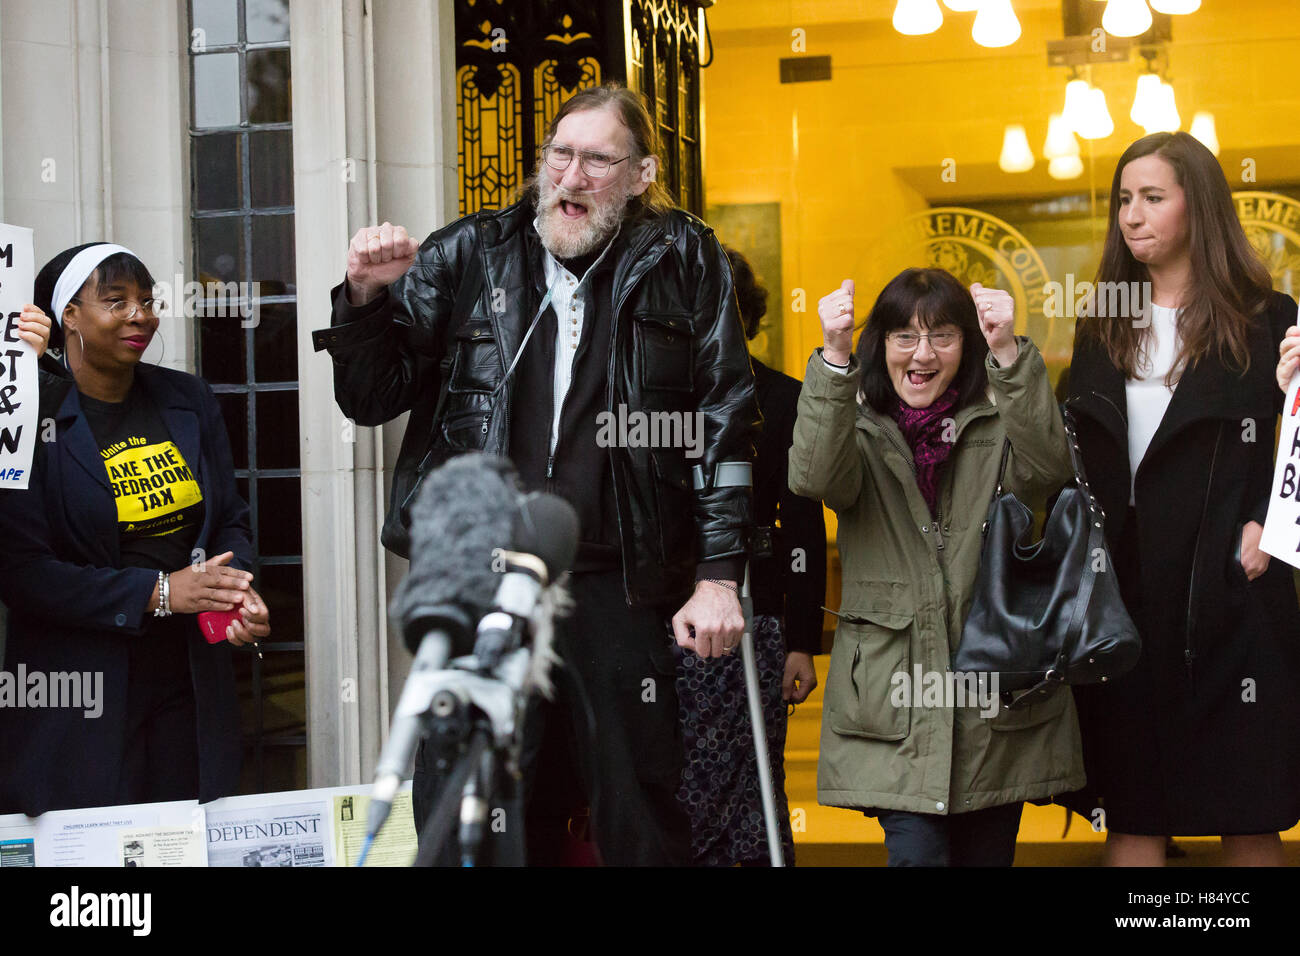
(131,526)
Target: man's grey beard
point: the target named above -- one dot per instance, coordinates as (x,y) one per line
(566,240)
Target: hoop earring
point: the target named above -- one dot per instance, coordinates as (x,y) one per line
(159,336)
(68,352)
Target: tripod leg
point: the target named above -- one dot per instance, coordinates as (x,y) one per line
(442,821)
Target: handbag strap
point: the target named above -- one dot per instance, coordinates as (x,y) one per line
(1096,539)
(1076,462)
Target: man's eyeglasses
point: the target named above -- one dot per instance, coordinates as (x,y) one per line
(125,309)
(594,165)
(939,341)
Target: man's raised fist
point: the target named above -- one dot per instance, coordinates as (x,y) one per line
(377,256)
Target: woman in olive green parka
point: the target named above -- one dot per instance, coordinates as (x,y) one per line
(907,453)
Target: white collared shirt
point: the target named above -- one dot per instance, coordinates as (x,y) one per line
(568,304)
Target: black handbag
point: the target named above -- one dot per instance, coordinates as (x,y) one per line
(1050,612)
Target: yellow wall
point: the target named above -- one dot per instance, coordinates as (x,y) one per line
(848,158)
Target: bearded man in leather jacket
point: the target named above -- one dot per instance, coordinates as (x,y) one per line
(589,332)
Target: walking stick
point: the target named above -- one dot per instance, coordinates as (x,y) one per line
(738,474)
(759,726)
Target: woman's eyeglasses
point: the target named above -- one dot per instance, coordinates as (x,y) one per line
(908,341)
(125,309)
(594,165)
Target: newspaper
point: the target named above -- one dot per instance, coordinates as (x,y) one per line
(321,827)
(291,834)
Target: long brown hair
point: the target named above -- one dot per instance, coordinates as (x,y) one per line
(631,110)
(1229,285)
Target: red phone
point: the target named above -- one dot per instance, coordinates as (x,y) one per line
(213,624)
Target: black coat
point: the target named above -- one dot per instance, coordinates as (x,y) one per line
(789,585)
(1203,736)
(73,608)
(678,346)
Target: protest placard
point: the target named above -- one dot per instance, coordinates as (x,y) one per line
(19,402)
(1281,537)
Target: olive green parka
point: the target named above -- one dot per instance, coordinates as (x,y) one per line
(890,741)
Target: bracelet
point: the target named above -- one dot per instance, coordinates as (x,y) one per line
(729,585)
(836,364)
(164,608)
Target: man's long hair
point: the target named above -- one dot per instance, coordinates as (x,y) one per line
(631,110)
(1230,284)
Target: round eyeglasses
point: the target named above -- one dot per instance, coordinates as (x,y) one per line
(594,165)
(125,309)
(908,341)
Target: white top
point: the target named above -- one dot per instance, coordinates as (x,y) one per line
(568,306)
(1147,394)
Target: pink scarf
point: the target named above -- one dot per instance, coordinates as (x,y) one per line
(923,429)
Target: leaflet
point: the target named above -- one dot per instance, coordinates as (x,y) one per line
(396,843)
(162,846)
(17,840)
(96,837)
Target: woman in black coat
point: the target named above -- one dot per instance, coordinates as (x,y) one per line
(1176,408)
(720,784)
(131,525)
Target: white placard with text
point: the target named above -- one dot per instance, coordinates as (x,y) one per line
(19,394)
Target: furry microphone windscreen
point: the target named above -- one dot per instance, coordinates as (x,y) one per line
(464,510)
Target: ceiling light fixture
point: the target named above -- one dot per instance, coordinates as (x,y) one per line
(915,18)
(1016,156)
(1126,18)
(995,24)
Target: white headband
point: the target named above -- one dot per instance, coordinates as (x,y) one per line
(75,274)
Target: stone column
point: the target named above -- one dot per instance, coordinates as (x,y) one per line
(374,138)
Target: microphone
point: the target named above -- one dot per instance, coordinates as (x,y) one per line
(545,542)
(465,509)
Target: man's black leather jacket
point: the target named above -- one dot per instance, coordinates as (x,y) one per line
(436,347)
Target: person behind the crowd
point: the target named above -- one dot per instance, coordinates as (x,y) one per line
(130,526)
(720,783)
(903,438)
(1176,407)
(524,332)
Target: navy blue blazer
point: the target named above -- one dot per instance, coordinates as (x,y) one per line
(72,608)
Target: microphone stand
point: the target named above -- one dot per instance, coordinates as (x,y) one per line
(480,711)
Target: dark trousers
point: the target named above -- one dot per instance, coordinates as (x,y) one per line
(610,740)
(160,761)
(979,838)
